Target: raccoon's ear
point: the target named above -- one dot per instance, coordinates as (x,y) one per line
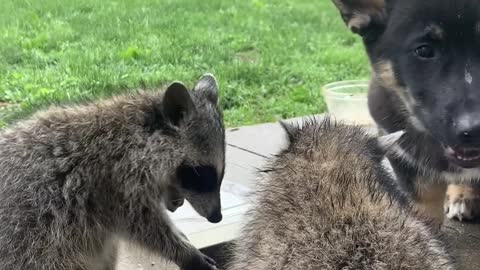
(387,141)
(207,85)
(291,130)
(178,105)
(363,17)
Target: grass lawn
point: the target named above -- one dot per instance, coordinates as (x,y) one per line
(270,56)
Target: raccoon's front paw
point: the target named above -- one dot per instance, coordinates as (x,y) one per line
(200,262)
(462,202)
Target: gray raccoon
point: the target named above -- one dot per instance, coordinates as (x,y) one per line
(74,179)
(328,203)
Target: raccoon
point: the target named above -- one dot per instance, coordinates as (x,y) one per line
(75,179)
(328,202)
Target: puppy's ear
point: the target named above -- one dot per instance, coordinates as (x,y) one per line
(207,84)
(178,105)
(366,18)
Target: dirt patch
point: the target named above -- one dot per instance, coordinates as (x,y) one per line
(250,56)
(7,106)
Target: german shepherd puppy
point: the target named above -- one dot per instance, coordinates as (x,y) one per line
(426,81)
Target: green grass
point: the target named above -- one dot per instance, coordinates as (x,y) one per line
(271,57)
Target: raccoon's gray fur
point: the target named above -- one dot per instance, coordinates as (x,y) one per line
(74,179)
(328,203)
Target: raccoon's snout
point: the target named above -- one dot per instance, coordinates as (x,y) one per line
(216,217)
(200,185)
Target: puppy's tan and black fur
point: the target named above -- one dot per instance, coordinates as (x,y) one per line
(426,81)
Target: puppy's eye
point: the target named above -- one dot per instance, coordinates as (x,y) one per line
(425,52)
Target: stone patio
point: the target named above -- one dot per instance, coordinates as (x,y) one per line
(248,149)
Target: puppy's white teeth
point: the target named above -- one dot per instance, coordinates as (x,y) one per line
(465,155)
(462,158)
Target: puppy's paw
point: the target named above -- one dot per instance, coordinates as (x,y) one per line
(462,202)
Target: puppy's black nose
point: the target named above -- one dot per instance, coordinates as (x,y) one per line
(467,129)
(215,217)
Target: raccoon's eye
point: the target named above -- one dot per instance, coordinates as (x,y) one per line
(425,52)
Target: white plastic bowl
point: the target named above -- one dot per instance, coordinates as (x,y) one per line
(347,101)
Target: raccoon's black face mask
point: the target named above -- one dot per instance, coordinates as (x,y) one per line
(201,188)
(427,55)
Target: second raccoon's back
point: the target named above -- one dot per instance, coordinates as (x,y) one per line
(327,203)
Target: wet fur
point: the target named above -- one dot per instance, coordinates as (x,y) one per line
(75,179)
(326,202)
